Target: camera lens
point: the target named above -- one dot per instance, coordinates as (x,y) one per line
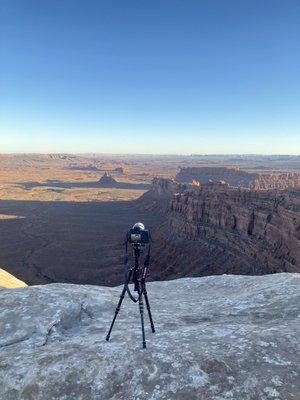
(139,226)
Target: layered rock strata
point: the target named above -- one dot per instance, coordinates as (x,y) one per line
(238,178)
(216,229)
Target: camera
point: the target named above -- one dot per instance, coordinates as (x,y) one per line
(138,234)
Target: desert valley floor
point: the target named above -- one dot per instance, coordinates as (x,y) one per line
(63,218)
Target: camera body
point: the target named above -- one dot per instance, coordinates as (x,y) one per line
(138,234)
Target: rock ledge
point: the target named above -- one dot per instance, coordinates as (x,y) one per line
(218,337)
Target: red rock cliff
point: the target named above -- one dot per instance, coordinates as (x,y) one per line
(219,229)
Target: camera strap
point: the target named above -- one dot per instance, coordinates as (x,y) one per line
(143,272)
(126,273)
(147,259)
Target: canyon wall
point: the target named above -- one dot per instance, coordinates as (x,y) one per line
(284,180)
(215,229)
(238,178)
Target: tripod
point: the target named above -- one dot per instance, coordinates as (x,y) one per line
(138,275)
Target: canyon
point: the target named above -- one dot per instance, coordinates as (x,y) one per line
(216,229)
(63,218)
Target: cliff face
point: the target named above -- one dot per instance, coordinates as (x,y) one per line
(219,229)
(159,195)
(233,176)
(236,177)
(280,181)
(217,337)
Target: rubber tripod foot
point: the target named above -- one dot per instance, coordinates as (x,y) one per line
(144,345)
(107,338)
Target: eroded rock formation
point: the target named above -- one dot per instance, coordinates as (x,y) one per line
(221,337)
(238,178)
(119,170)
(107,181)
(284,180)
(218,229)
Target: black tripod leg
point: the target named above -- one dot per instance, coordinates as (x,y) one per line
(149,310)
(141,307)
(118,306)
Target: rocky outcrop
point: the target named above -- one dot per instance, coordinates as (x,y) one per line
(222,337)
(238,178)
(84,167)
(160,194)
(9,281)
(119,170)
(107,181)
(233,176)
(215,229)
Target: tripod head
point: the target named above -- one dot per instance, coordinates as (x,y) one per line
(138,249)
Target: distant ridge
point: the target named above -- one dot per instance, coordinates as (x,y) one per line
(9,281)
(236,177)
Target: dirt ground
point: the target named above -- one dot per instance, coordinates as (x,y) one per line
(58,225)
(77,242)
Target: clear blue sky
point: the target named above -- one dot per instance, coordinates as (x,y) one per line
(155,76)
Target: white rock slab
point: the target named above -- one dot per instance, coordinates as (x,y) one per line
(217,338)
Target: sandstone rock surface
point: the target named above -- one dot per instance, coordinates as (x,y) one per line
(218,337)
(9,281)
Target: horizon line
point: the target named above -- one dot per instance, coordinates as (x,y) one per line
(151,154)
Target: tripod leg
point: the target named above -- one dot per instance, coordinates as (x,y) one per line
(149,310)
(118,307)
(141,307)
